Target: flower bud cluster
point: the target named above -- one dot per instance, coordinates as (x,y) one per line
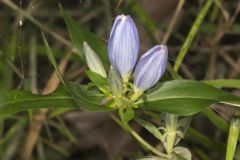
(123,53)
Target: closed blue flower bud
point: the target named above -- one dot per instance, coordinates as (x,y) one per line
(123,45)
(150,67)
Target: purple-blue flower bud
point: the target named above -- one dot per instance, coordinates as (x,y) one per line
(151,67)
(123,45)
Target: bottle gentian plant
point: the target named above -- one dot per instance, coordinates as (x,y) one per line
(123,53)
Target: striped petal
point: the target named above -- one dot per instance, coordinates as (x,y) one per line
(123,45)
(151,67)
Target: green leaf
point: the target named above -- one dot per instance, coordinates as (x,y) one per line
(217,120)
(126,114)
(84,98)
(127,103)
(151,128)
(53,61)
(99,81)
(79,34)
(185,97)
(88,100)
(233,83)
(17,100)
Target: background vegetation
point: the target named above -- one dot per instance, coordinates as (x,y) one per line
(69,134)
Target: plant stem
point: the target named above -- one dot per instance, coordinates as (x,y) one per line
(171,126)
(139,138)
(232,138)
(145,144)
(137,93)
(192,34)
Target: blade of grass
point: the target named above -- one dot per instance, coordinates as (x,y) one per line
(64,130)
(192,34)
(174,74)
(232,138)
(53,61)
(15,129)
(201,154)
(198,137)
(59,149)
(216,120)
(40,150)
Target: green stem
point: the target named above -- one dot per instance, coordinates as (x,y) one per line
(136,95)
(192,34)
(140,139)
(125,84)
(171,126)
(232,138)
(145,144)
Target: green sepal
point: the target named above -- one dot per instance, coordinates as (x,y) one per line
(93,61)
(99,81)
(115,82)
